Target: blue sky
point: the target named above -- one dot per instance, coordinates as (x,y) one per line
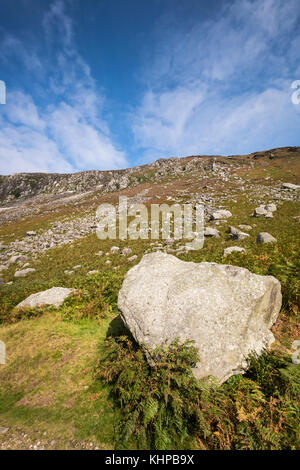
(105,84)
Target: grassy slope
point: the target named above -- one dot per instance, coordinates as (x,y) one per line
(48,383)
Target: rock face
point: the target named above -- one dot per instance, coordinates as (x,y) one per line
(54,296)
(226,310)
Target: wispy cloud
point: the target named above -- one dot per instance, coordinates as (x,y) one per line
(233,74)
(66,131)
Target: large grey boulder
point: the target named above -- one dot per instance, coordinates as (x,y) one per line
(226,310)
(54,296)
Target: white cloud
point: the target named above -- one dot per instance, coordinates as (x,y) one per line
(68,134)
(234,78)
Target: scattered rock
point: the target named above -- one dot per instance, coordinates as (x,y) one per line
(270,207)
(260,211)
(132,258)
(3,430)
(221,214)
(100,253)
(68,272)
(265,237)
(245,227)
(54,296)
(31,233)
(227,310)
(290,186)
(17,259)
(114,249)
(236,234)
(95,271)
(231,249)
(24,272)
(126,251)
(211,232)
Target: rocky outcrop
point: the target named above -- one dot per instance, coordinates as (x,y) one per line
(226,310)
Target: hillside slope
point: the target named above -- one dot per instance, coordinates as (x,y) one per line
(50,396)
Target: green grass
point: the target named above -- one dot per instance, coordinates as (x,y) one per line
(49,383)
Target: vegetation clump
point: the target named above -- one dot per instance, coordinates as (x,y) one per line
(165,407)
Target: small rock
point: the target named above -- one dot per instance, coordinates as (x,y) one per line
(17,259)
(100,253)
(24,272)
(231,249)
(260,211)
(95,271)
(31,233)
(169,242)
(270,207)
(221,214)
(114,249)
(290,186)
(126,251)
(265,237)
(132,258)
(68,272)
(245,227)
(3,430)
(211,232)
(236,234)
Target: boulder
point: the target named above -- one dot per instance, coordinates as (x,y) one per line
(237,234)
(260,211)
(231,249)
(24,272)
(291,186)
(54,296)
(270,207)
(126,251)
(265,237)
(211,232)
(221,214)
(132,258)
(245,227)
(17,259)
(227,310)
